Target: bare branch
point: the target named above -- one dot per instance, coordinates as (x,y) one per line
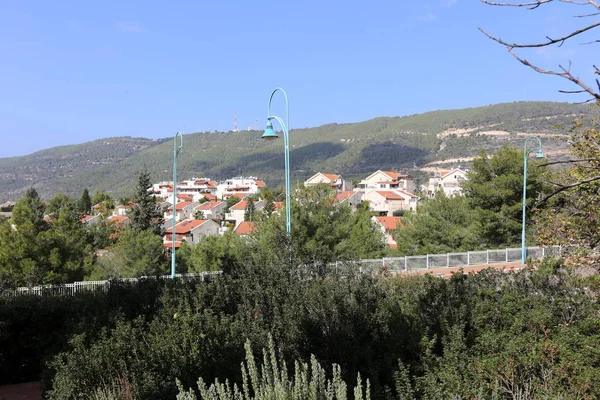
(532,6)
(567,162)
(586,15)
(543,44)
(566,187)
(565,74)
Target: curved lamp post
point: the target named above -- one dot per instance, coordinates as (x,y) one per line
(176,149)
(525,158)
(270,134)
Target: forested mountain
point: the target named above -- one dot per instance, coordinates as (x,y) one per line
(354,150)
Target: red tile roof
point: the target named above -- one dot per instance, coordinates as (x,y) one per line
(391,195)
(184,197)
(245,228)
(239,206)
(395,175)
(444,172)
(116,219)
(209,196)
(85,218)
(209,205)
(344,195)
(170,244)
(277,205)
(331,177)
(260,184)
(240,195)
(390,223)
(186,226)
(180,206)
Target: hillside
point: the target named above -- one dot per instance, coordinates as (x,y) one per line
(402,143)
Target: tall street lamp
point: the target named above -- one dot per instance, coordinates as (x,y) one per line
(525,158)
(176,149)
(270,134)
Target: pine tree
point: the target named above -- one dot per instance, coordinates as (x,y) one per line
(85,202)
(145,213)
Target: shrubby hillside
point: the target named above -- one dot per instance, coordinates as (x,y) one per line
(403,143)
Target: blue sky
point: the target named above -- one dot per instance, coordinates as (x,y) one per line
(74,71)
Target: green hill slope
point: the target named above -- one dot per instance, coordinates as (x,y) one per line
(354,150)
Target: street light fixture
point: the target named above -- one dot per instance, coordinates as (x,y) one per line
(176,150)
(270,134)
(525,158)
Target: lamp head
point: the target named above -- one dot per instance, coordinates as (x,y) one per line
(540,154)
(270,133)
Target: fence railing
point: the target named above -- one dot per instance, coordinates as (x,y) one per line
(430,261)
(404,264)
(78,287)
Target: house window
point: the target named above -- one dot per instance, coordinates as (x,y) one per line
(382,186)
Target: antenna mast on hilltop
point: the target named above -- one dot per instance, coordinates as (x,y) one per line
(255,124)
(235,129)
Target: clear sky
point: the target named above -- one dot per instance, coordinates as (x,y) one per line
(74,71)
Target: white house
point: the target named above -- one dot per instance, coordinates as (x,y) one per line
(237,211)
(386,180)
(448,181)
(333,180)
(386,202)
(184,210)
(195,188)
(239,184)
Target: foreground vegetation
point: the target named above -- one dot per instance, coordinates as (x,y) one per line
(528,335)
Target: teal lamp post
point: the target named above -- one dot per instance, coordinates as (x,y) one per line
(525,158)
(270,134)
(176,149)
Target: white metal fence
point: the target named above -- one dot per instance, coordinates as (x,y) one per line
(392,264)
(78,287)
(430,261)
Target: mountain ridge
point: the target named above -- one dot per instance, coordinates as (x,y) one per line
(352,149)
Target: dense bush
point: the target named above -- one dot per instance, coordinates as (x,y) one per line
(33,329)
(493,335)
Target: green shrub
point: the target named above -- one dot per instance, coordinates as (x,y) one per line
(270,380)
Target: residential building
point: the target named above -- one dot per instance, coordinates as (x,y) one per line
(119,221)
(90,219)
(183,210)
(122,210)
(333,180)
(237,211)
(448,181)
(211,209)
(6,209)
(386,180)
(239,185)
(191,230)
(194,188)
(386,202)
(352,198)
(388,226)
